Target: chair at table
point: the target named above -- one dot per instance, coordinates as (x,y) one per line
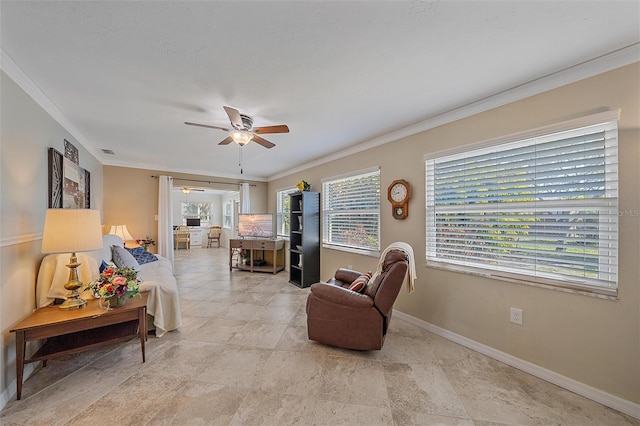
(182,235)
(214,235)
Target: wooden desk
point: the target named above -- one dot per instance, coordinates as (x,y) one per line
(67,332)
(274,248)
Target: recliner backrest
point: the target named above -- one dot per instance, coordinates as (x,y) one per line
(385,287)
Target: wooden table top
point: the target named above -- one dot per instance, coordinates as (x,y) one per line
(54,315)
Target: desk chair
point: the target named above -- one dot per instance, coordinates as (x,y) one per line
(214,235)
(182,235)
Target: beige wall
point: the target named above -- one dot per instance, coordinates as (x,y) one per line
(26,131)
(591,340)
(131,197)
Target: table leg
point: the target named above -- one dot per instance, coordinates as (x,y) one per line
(20,348)
(142,328)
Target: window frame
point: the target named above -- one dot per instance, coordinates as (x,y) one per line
(205,221)
(227,215)
(328,214)
(556,281)
(281,223)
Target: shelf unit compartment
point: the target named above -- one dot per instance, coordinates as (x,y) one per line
(304,237)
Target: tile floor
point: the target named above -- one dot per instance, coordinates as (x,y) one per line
(242,358)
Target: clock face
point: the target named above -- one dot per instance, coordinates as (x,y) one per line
(398,192)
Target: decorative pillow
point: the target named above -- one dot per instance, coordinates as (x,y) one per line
(103,266)
(123,259)
(359,283)
(141,255)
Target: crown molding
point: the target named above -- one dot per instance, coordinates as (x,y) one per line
(25,83)
(601,64)
(598,65)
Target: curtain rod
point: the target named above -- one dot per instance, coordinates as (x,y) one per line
(205,181)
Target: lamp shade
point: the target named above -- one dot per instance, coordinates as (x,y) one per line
(71,230)
(121,231)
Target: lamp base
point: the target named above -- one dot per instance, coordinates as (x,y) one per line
(73,300)
(70,304)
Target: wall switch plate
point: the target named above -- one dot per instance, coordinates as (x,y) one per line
(516,316)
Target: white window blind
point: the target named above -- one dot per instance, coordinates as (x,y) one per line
(544,206)
(283,210)
(351,211)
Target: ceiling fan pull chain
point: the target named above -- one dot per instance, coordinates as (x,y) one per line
(240,158)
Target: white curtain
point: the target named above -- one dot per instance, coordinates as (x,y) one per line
(165,218)
(245,198)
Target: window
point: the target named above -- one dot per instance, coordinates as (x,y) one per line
(283,210)
(200,211)
(227,215)
(541,206)
(351,212)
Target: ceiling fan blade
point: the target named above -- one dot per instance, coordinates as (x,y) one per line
(282,128)
(234,116)
(226,141)
(205,125)
(263,142)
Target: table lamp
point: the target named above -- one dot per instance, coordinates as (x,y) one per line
(72,230)
(122,232)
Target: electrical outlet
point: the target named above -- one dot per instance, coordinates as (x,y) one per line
(516,316)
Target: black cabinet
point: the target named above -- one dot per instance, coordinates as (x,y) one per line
(304,237)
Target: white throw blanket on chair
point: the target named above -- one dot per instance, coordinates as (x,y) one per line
(410,276)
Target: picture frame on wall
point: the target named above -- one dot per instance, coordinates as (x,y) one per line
(69,184)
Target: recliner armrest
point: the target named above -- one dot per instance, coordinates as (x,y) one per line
(341,296)
(346,276)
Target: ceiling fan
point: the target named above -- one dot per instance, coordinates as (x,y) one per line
(242,131)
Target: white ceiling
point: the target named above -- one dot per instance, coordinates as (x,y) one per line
(126,75)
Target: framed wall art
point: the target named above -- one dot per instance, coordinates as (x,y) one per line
(69,184)
(71,152)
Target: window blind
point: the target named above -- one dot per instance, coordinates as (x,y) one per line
(351,211)
(544,207)
(283,210)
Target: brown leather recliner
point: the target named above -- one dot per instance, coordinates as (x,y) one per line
(340,317)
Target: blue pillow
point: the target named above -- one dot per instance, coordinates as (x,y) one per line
(103,266)
(141,255)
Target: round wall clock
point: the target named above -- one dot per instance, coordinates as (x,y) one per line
(399,193)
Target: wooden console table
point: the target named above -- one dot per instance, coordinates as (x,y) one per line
(67,332)
(274,262)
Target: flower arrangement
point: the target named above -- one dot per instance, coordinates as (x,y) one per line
(303,185)
(146,242)
(115,282)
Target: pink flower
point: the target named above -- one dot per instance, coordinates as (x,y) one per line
(119,281)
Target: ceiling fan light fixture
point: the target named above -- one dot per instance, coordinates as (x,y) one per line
(241,137)
(186,190)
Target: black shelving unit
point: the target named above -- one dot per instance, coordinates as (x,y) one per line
(304,237)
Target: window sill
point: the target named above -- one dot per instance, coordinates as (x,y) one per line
(365,252)
(530,281)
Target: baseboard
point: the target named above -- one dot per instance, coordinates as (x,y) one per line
(622,405)
(11,390)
